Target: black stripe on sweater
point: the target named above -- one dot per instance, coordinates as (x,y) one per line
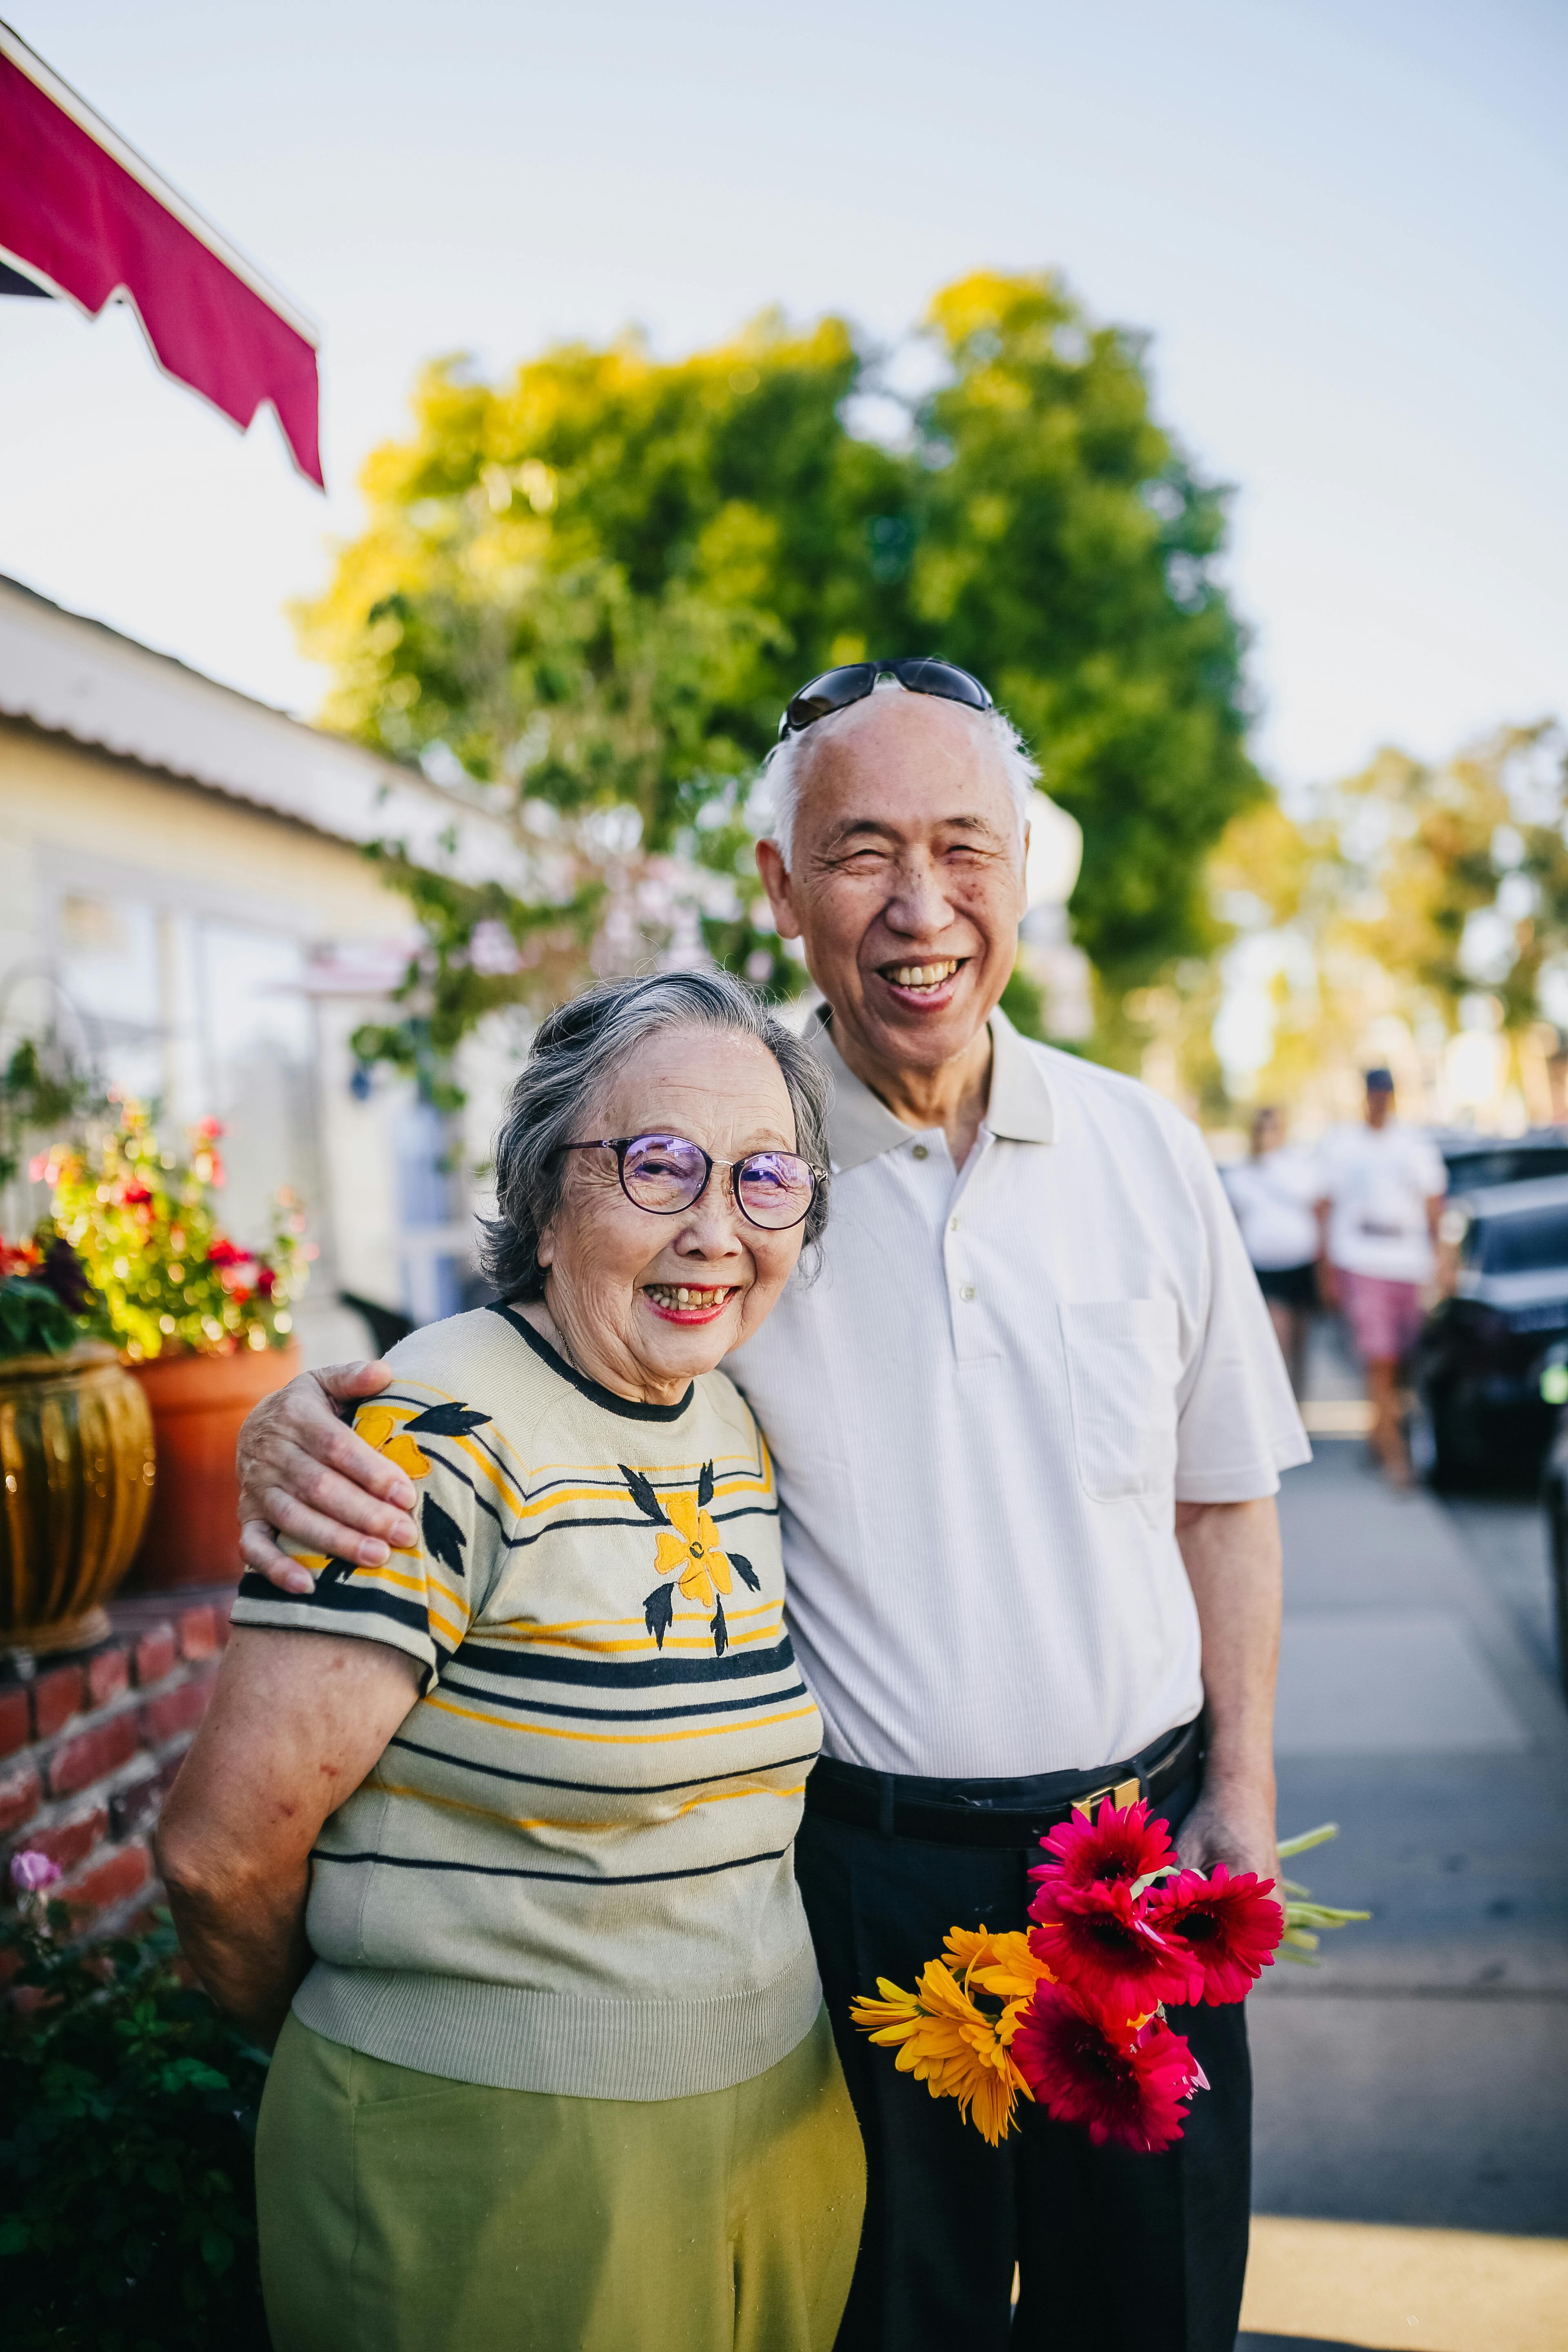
(558,1877)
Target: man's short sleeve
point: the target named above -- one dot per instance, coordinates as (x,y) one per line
(420,1600)
(1237,1424)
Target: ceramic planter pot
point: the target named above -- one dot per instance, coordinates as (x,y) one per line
(76,1448)
(197,1403)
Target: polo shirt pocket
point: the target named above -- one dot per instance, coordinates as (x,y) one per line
(1122,1371)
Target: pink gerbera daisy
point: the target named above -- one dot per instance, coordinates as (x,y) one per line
(1122,1842)
(1228,1928)
(1098,1940)
(1125,2081)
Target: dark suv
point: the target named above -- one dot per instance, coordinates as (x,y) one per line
(1480,1359)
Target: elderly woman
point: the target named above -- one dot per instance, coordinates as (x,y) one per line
(496,1839)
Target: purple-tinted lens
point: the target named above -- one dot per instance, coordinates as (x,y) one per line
(664,1172)
(775,1188)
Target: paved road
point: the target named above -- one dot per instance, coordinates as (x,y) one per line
(1421,2075)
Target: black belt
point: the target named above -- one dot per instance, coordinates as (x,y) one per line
(996,1813)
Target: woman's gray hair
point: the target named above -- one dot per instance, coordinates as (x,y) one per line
(581,1045)
(783,769)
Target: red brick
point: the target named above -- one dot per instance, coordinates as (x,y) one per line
(16,1719)
(155,1656)
(197,1631)
(108,1673)
(21,1794)
(70,1843)
(175,1710)
(120,1873)
(78,1762)
(58,1694)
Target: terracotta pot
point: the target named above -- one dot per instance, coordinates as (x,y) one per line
(76,1446)
(198,1405)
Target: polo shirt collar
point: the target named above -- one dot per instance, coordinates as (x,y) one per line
(860,1126)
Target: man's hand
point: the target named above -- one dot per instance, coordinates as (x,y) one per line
(1235,1826)
(302,1473)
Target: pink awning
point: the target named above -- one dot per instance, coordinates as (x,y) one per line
(83,216)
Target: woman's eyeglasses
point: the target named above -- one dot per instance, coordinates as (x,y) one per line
(665,1173)
(836,689)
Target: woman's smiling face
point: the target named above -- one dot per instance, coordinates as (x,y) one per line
(615,1273)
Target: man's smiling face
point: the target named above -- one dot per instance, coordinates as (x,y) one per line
(906,881)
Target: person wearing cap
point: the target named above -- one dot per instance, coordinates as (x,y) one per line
(1381,1189)
(1027,1426)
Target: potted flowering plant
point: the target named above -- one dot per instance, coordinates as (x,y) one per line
(75,1440)
(204,1322)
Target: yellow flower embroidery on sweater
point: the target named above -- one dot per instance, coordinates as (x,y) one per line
(690,1542)
(692,1546)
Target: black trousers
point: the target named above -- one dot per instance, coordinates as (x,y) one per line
(1116,2252)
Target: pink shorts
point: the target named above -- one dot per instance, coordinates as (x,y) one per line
(1383,1317)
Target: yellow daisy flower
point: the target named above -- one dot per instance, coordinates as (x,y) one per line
(691,1544)
(1003,1964)
(948,2043)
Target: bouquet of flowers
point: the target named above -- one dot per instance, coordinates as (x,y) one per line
(1070,2012)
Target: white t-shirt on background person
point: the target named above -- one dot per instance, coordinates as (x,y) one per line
(1274,1198)
(1378,1181)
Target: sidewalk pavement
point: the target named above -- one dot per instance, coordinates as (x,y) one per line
(1412,2152)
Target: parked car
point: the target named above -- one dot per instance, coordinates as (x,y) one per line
(1475,1162)
(1554,1498)
(1479,1406)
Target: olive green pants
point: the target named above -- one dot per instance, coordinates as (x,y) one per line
(401,2212)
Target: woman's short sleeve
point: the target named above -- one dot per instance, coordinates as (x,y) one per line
(419,1600)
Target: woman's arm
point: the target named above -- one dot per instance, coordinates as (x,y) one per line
(296,1723)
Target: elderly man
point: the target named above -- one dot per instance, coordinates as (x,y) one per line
(1028,1425)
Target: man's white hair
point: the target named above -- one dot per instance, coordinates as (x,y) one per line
(783,771)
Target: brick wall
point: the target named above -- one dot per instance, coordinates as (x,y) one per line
(90,1745)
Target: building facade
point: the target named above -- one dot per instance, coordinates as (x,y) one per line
(185,900)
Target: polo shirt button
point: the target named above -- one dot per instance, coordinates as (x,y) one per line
(967,1292)
(920,1152)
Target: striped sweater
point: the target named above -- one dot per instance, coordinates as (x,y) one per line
(571,1869)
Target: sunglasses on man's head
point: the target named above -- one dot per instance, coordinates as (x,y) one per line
(665,1173)
(836,689)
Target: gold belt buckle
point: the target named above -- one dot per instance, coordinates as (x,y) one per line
(1121,1793)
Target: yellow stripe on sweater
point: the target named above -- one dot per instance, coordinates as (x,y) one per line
(523,1629)
(613,1738)
(518,1822)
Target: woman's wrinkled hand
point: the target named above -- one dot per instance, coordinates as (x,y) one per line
(303,1474)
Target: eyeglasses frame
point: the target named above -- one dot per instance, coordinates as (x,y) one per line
(621,1144)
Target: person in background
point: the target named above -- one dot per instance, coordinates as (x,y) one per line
(1381,1190)
(1273,1193)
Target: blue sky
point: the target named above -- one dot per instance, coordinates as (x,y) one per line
(1342,225)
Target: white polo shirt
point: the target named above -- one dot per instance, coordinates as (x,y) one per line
(984,1411)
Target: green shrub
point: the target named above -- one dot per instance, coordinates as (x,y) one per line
(127,2121)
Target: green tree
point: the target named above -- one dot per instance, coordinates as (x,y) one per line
(1064,552)
(593,586)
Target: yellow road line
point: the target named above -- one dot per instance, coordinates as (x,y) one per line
(1422,2290)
